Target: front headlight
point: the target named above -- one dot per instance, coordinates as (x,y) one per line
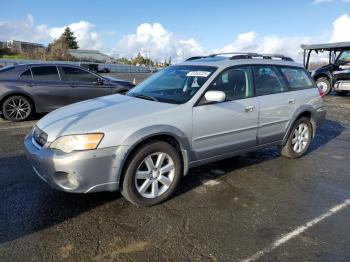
(71,143)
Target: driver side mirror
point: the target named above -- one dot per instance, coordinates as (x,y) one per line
(215,96)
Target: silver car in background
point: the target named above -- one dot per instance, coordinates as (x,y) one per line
(203,110)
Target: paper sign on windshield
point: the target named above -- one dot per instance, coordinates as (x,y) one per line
(198,73)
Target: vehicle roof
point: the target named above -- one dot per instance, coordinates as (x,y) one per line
(327,46)
(222,62)
(45,64)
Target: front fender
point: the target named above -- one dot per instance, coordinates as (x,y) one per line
(143,134)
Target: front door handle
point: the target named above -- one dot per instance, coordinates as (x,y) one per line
(249,109)
(291,101)
(30,84)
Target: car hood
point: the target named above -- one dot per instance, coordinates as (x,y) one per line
(98,114)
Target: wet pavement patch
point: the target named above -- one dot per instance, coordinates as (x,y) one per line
(229,210)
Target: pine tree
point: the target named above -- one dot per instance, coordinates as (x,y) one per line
(69,38)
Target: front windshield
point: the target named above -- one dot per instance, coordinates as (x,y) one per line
(174,84)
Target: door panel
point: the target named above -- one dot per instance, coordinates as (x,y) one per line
(84,85)
(224,127)
(277,105)
(84,91)
(228,126)
(49,91)
(276,110)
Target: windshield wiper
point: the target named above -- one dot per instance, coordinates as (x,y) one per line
(144,97)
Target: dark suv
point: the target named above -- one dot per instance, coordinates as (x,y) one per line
(335,76)
(36,88)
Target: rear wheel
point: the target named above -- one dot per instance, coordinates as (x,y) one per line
(17,108)
(324,84)
(152,174)
(342,93)
(299,139)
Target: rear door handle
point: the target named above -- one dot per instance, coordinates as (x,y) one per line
(291,101)
(249,109)
(30,84)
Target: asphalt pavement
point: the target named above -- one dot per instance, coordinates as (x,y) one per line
(255,207)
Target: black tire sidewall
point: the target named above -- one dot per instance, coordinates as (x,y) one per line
(7,100)
(290,145)
(129,190)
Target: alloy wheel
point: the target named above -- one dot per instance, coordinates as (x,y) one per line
(17,108)
(154,175)
(301,138)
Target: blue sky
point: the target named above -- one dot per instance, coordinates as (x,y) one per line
(213,25)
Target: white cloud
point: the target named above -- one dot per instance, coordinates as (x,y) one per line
(155,40)
(85,32)
(316,2)
(252,42)
(27,30)
(341,29)
(24,30)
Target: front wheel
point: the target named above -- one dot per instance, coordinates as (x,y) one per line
(299,139)
(152,174)
(17,108)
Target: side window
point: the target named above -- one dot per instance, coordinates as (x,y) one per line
(235,82)
(26,75)
(78,75)
(45,73)
(344,58)
(268,81)
(296,78)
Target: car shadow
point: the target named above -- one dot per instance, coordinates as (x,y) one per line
(28,205)
(328,131)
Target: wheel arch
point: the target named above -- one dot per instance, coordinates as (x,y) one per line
(26,95)
(169,134)
(307,112)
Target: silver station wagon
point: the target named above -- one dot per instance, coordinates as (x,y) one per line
(202,110)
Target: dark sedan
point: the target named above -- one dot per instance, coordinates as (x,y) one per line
(38,88)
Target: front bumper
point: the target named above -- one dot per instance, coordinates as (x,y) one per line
(90,171)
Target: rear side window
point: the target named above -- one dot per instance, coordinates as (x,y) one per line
(45,73)
(26,75)
(296,78)
(78,75)
(268,80)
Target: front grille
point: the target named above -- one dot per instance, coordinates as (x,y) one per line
(39,136)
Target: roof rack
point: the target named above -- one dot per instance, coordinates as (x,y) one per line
(195,58)
(245,55)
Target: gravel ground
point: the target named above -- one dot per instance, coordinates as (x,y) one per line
(251,205)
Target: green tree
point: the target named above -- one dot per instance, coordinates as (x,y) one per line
(69,38)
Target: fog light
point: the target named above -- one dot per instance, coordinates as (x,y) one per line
(72,180)
(66,180)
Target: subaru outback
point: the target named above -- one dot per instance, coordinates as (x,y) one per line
(202,110)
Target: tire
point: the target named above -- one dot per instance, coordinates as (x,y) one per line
(342,93)
(324,84)
(17,108)
(290,149)
(151,186)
